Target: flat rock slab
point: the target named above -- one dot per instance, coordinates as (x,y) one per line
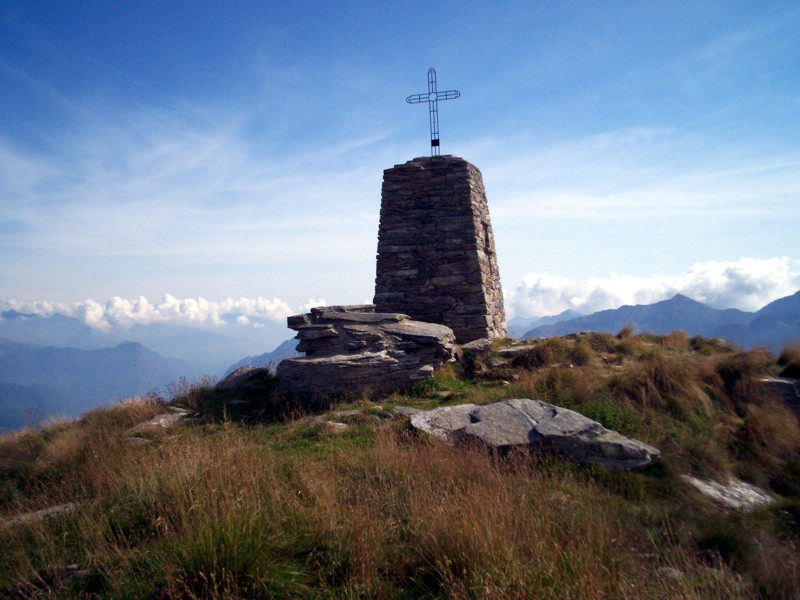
(158,423)
(524,422)
(735,494)
(361,351)
(39,515)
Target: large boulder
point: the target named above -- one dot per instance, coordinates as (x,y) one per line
(523,422)
(352,349)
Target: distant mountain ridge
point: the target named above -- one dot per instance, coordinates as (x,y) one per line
(772,326)
(69,381)
(271,359)
(207,350)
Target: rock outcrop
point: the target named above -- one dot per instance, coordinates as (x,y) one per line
(786,389)
(351,349)
(523,422)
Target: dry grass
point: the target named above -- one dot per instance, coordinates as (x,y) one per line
(225,516)
(661,381)
(289,510)
(677,340)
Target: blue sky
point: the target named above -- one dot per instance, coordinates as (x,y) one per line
(233,151)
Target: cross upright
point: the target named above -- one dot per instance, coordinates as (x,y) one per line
(432,98)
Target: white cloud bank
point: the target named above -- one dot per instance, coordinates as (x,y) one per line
(119,312)
(747,284)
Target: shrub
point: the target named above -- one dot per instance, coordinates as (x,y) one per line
(547,352)
(658,381)
(677,340)
(740,373)
(558,385)
(601,342)
(582,354)
(789,359)
(625,332)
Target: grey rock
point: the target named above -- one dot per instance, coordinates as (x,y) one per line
(447,424)
(241,377)
(373,352)
(786,389)
(39,515)
(513,351)
(480,347)
(735,494)
(136,441)
(670,573)
(158,423)
(405,411)
(524,422)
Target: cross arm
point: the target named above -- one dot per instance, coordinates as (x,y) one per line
(417,98)
(448,95)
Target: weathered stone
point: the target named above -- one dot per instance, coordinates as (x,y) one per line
(735,494)
(405,411)
(159,422)
(436,256)
(240,377)
(39,515)
(479,347)
(523,422)
(513,351)
(375,352)
(786,389)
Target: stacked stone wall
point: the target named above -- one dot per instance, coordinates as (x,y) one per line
(436,255)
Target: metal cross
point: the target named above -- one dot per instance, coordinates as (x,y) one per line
(432,98)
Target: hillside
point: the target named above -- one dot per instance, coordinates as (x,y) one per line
(772,327)
(68,381)
(253,498)
(31,405)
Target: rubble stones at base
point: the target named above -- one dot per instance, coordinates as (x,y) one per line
(523,422)
(353,349)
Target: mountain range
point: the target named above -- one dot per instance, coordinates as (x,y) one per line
(772,326)
(207,350)
(38,382)
(60,366)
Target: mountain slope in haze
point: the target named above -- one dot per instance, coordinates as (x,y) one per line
(31,405)
(83,379)
(271,359)
(773,326)
(517,326)
(679,312)
(208,349)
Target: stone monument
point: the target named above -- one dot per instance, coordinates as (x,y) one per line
(436,257)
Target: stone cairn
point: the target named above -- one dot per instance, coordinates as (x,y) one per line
(437,284)
(350,349)
(436,256)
